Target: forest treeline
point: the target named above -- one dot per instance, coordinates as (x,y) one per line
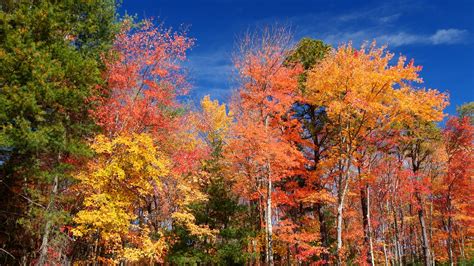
(323,155)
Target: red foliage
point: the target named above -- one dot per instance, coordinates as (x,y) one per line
(144,76)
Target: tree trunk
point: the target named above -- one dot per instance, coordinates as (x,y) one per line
(412,238)
(288,255)
(343,186)
(424,235)
(323,228)
(339,233)
(461,246)
(371,245)
(323,231)
(269,231)
(96,249)
(365,201)
(269,256)
(253,260)
(397,246)
(44,245)
(47,229)
(385,254)
(450,243)
(450,229)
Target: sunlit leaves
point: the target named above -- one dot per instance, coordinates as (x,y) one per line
(144,75)
(362,83)
(214,120)
(126,170)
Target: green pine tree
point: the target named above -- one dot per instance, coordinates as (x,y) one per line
(49,69)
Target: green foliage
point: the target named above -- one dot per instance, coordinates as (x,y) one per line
(222,211)
(308,52)
(466,110)
(49,69)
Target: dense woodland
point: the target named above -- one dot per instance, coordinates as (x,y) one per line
(323,155)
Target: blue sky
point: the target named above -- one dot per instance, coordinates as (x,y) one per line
(439,35)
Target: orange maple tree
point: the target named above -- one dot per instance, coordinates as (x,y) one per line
(262,147)
(361,94)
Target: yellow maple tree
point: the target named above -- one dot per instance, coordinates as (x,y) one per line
(121,187)
(214,120)
(126,170)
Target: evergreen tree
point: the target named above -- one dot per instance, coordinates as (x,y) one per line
(49,68)
(221,212)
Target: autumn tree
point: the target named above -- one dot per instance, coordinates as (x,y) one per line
(361,93)
(325,156)
(456,186)
(144,148)
(313,192)
(222,211)
(127,171)
(264,130)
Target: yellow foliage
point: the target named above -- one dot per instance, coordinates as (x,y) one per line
(318,197)
(102,213)
(187,219)
(362,92)
(126,170)
(214,121)
(145,248)
(361,85)
(119,184)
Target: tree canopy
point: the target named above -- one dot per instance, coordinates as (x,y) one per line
(323,155)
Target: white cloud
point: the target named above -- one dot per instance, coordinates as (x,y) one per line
(448,36)
(212,66)
(390,18)
(400,39)
(210,71)
(381,23)
(441,36)
(383,13)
